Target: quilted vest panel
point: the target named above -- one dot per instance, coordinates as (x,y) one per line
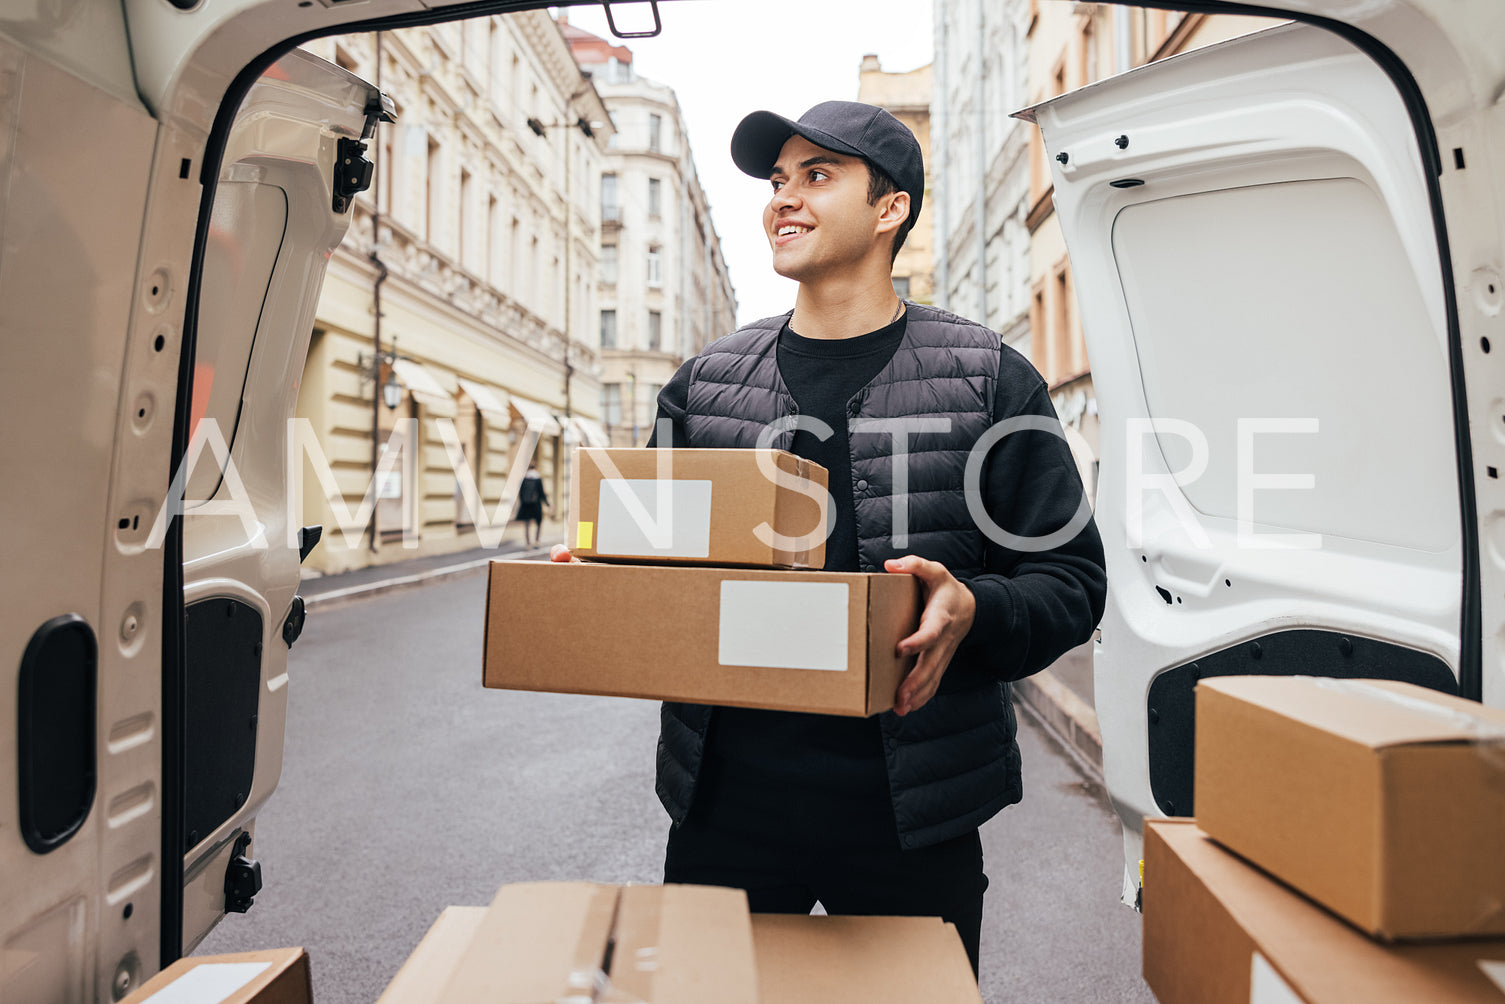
(953,763)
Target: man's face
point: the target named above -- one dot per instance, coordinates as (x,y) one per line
(818,221)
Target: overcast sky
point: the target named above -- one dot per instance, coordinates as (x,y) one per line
(726,59)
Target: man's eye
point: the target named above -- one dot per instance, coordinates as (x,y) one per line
(777,185)
(818,175)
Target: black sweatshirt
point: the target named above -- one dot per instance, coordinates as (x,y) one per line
(823,777)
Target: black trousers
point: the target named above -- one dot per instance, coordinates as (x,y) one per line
(944,880)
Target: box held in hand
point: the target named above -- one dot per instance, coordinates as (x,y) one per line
(793,641)
(753,508)
(1383,801)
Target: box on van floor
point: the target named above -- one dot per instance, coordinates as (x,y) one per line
(794,641)
(1383,801)
(672,944)
(544,942)
(274,976)
(1217,930)
(707,507)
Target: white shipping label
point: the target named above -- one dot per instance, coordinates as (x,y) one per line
(1266,985)
(784,625)
(1495,971)
(208,984)
(669,519)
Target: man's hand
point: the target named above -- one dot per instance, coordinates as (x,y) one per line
(560,553)
(949,610)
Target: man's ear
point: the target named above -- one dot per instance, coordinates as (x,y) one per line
(894,213)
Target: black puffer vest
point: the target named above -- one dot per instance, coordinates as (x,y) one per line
(953,763)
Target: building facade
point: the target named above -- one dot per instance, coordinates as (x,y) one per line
(907,97)
(456,339)
(663,289)
(1001,257)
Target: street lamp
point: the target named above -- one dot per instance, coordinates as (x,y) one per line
(371,369)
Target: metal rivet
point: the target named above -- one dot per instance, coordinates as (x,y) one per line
(1255,651)
(1154,717)
(1122,142)
(1063,157)
(1345,646)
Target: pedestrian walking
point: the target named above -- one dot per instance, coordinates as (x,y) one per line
(879,815)
(531,498)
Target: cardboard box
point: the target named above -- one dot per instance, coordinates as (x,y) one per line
(1219,931)
(861,960)
(797,641)
(275,976)
(713,504)
(423,976)
(798,960)
(1383,801)
(547,942)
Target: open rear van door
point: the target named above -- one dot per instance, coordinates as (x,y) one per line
(1288,295)
(145,668)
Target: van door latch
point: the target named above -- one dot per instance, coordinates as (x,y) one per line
(242,878)
(352,172)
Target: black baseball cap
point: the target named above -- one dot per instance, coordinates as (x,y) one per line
(849,127)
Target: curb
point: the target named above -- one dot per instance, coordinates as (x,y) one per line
(1071,719)
(349,594)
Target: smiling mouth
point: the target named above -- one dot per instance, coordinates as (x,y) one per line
(789,232)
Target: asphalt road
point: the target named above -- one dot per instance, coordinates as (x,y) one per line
(407,787)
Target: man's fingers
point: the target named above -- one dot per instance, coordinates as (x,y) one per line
(928,633)
(921,568)
(560,553)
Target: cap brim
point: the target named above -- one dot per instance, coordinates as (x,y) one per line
(761,135)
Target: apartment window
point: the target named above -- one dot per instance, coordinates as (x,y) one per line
(611,403)
(609,264)
(655,133)
(433,194)
(655,267)
(493,226)
(344,60)
(655,198)
(655,330)
(901,286)
(610,208)
(608,329)
(1061,326)
(466,192)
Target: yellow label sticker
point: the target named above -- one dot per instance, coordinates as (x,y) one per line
(584,534)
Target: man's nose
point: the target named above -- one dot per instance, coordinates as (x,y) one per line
(785,196)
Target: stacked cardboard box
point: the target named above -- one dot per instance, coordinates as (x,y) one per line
(715,603)
(276,976)
(541,943)
(1334,818)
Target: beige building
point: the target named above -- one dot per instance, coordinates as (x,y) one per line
(1071,45)
(464,295)
(664,290)
(907,96)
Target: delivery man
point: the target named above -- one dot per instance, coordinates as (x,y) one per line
(879,815)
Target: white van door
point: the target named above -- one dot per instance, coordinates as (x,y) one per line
(1254,230)
(142,748)
(292,163)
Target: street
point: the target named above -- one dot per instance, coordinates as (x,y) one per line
(407,787)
